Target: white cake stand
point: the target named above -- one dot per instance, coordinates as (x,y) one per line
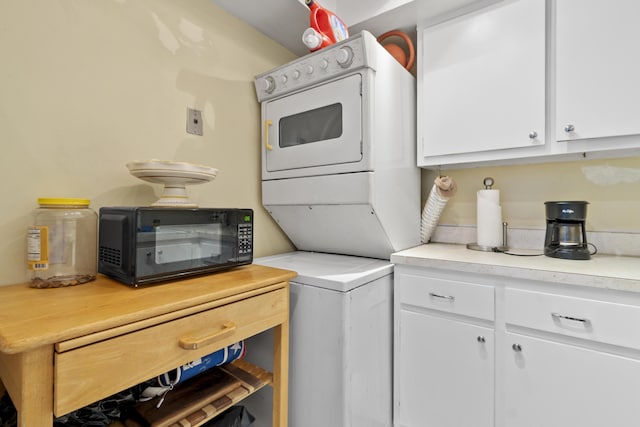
(175,176)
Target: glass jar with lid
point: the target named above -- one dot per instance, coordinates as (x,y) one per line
(61,243)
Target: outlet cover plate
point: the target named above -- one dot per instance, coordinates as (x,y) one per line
(194,121)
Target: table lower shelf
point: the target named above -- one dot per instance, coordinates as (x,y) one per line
(201,398)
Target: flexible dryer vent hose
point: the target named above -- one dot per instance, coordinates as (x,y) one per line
(443,189)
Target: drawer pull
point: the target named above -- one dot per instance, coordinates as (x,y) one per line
(559,316)
(194,343)
(447,297)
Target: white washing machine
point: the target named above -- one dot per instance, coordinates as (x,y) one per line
(340,360)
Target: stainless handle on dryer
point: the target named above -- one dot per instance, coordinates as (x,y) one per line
(268,146)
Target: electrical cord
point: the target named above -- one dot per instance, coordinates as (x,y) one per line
(501,251)
(498,250)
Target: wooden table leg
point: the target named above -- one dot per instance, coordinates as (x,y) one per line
(28,378)
(281,375)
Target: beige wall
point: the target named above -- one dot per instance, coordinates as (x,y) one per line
(87,86)
(612,188)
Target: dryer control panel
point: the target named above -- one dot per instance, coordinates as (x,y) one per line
(332,61)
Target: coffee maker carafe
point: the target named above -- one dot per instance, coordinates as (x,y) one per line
(566,236)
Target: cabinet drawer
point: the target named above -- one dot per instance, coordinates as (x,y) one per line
(602,321)
(467,299)
(86,374)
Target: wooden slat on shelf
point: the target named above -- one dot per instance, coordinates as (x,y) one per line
(253,377)
(201,398)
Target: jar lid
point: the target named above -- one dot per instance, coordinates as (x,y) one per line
(63,201)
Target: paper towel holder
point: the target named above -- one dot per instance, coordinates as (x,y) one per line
(504,247)
(488,183)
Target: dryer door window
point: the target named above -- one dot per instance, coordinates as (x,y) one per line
(316,127)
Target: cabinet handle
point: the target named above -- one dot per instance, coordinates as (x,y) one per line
(533,135)
(194,343)
(481,339)
(569,128)
(517,348)
(267,124)
(574,319)
(447,297)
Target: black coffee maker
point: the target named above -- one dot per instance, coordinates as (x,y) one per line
(566,236)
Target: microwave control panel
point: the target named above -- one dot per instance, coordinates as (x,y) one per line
(245,239)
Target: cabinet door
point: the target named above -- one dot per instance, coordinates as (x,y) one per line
(481,81)
(598,68)
(558,385)
(444,375)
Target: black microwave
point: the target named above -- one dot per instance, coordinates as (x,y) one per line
(140,245)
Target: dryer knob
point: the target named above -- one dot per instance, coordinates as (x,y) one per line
(324,64)
(296,74)
(309,69)
(344,57)
(268,84)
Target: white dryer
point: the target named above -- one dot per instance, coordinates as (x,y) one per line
(339,171)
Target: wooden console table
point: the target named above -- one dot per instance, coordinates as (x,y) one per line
(61,349)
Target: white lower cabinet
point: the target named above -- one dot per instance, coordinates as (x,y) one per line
(444,366)
(553,384)
(571,360)
(482,350)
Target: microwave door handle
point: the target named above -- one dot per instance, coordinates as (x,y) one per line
(267,124)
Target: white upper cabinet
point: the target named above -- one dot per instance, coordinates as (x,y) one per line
(481,84)
(597,69)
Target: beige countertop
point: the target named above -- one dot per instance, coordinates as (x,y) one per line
(602,271)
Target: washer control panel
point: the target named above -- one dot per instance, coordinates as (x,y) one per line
(332,61)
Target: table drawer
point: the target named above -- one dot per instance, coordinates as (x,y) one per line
(467,299)
(86,374)
(602,321)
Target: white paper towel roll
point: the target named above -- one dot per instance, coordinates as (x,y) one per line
(489,218)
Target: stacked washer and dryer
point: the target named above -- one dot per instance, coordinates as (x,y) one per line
(339,176)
